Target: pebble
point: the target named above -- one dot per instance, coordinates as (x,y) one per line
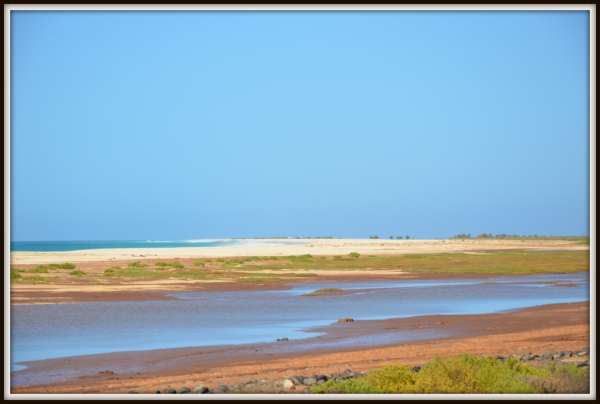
(201,389)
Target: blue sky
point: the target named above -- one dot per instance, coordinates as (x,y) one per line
(177,125)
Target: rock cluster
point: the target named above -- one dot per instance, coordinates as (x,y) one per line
(555,356)
(291,383)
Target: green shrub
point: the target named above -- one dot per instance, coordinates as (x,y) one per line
(136,264)
(109,272)
(161,264)
(323,257)
(38,270)
(466,374)
(77,273)
(115,267)
(14,274)
(66,265)
(177,265)
(337,257)
(354,255)
(198,263)
(220,260)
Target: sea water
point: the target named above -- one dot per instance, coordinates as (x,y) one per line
(49,246)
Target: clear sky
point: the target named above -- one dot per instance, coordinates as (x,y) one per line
(179,125)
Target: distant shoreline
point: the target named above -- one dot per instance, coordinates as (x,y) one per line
(274,247)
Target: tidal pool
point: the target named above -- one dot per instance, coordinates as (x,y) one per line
(216,318)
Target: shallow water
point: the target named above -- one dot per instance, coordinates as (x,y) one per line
(211,318)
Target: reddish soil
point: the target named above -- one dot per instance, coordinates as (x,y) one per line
(543,329)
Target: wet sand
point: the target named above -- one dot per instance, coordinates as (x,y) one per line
(539,330)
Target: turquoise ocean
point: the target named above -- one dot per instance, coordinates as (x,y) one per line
(43,246)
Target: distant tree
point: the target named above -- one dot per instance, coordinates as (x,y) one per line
(399,238)
(376,237)
(408,237)
(391,237)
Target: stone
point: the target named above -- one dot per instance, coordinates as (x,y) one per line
(320,382)
(169,390)
(581,353)
(184,390)
(586,349)
(568,353)
(222,389)
(309,381)
(345,320)
(202,389)
(298,379)
(235,386)
(288,384)
(322,377)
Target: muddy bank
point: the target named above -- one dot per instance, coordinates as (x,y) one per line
(539,329)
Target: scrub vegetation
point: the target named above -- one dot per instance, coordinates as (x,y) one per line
(496,262)
(466,374)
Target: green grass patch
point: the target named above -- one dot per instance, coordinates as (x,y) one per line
(77,273)
(177,265)
(198,263)
(321,291)
(15,274)
(161,264)
(136,264)
(500,262)
(354,255)
(37,279)
(38,270)
(466,374)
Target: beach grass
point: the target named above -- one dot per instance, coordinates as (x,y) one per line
(136,264)
(496,263)
(319,292)
(77,273)
(465,374)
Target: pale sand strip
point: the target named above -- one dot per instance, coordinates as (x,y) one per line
(296,247)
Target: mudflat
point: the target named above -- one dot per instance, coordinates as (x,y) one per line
(538,330)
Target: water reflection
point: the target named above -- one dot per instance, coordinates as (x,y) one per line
(211,318)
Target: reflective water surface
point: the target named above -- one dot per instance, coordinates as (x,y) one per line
(211,318)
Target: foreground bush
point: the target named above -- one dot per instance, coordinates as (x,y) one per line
(466,374)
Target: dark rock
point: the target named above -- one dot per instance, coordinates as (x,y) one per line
(415,368)
(500,357)
(309,381)
(157,391)
(201,389)
(222,389)
(184,390)
(568,353)
(586,350)
(297,379)
(132,392)
(169,390)
(322,377)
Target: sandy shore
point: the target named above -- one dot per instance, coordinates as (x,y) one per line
(295,247)
(541,329)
